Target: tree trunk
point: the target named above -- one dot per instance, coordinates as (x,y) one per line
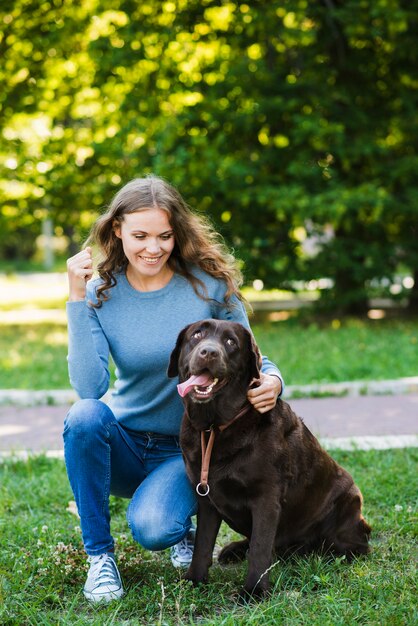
(413,296)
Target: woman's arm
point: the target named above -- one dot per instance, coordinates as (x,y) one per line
(88,352)
(88,349)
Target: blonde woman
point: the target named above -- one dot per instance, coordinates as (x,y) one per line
(162,267)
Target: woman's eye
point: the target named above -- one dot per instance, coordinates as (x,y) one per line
(166,237)
(139,236)
(230,342)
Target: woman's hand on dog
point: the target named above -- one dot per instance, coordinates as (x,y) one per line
(264,397)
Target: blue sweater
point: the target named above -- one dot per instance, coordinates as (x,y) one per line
(139,331)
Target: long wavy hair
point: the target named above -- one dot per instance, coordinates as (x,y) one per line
(196,241)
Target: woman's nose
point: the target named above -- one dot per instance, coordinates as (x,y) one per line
(153,246)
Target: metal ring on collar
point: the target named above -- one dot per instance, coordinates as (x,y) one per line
(198,487)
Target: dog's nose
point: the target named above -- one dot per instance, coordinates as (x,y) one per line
(208,352)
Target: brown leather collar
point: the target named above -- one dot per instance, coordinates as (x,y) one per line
(207,450)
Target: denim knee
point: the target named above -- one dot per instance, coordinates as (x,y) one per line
(87,417)
(152,531)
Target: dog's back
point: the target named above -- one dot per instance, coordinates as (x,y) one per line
(322,503)
(275,455)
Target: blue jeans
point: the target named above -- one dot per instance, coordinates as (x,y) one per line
(103,458)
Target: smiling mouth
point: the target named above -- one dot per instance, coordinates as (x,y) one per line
(151,260)
(201,386)
(205,391)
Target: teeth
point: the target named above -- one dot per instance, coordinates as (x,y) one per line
(207,390)
(150,259)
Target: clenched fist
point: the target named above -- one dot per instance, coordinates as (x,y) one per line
(79,270)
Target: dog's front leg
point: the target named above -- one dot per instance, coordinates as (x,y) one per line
(265,519)
(208,523)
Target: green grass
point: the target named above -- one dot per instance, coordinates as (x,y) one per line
(341,350)
(39,291)
(33,356)
(42,563)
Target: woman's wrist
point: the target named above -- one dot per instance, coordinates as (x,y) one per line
(76,295)
(278,382)
(74,299)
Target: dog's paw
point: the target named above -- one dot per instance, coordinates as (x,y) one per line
(195,578)
(246,596)
(234,552)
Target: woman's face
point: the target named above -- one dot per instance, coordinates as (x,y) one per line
(148,241)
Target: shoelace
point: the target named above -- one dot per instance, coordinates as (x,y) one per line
(103,570)
(185,546)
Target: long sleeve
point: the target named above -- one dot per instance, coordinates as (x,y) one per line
(88,352)
(138,331)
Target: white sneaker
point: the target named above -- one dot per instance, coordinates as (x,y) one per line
(181,554)
(103,580)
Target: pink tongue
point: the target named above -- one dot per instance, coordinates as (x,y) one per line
(203,380)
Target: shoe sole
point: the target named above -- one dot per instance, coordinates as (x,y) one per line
(180,564)
(108,597)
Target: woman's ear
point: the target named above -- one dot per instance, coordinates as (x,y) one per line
(116,226)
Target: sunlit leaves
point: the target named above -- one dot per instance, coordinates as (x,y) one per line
(273,113)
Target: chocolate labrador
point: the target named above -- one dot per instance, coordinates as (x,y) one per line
(265,475)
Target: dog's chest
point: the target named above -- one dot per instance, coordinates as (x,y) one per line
(234,480)
(230,497)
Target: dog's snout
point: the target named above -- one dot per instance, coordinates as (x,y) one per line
(209,352)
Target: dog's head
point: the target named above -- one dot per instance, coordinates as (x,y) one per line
(211,354)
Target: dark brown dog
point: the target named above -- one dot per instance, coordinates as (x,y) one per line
(269,478)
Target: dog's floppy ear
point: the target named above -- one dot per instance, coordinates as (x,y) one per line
(254,356)
(173,366)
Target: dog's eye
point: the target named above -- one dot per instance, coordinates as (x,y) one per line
(197,334)
(230,342)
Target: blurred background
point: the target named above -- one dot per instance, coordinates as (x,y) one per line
(293,125)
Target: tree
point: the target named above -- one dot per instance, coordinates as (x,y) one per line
(280,120)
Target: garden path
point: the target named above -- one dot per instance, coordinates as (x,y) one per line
(373,421)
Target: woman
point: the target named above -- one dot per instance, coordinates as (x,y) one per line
(162,268)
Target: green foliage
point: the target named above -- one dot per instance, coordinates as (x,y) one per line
(280,120)
(42,563)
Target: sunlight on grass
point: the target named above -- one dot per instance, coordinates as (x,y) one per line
(253,295)
(32,291)
(13,359)
(33,357)
(58,338)
(353,349)
(33,316)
